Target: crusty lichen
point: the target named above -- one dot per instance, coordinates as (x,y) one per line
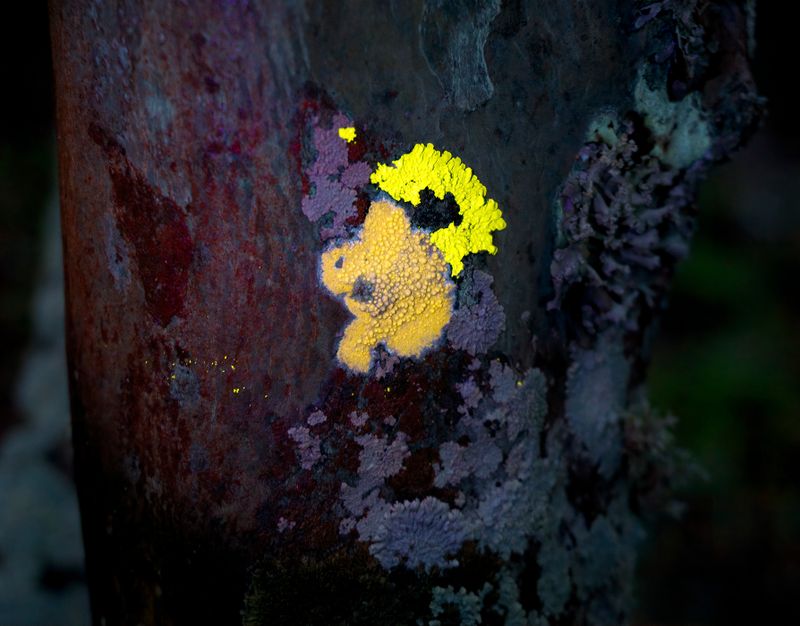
(425,167)
(394,282)
(348,133)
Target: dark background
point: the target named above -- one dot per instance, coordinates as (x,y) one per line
(726,361)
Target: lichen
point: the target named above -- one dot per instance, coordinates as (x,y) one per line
(603,560)
(680,131)
(308,446)
(416,533)
(394,282)
(479,459)
(385,363)
(348,133)
(467,604)
(625,221)
(508,603)
(332,179)
(597,383)
(496,462)
(479,319)
(379,459)
(316,418)
(424,167)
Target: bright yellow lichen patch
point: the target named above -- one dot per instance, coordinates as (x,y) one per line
(348,133)
(443,173)
(394,282)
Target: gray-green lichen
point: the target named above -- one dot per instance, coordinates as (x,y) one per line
(468,605)
(680,130)
(597,383)
(453,34)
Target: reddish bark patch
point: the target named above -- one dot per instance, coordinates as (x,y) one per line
(154,226)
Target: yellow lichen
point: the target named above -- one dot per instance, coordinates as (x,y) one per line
(348,133)
(442,173)
(394,282)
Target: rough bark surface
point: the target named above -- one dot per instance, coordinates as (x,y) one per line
(231,469)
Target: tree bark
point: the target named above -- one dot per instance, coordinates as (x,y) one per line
(234,463)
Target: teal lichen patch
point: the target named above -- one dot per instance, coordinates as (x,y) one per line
(453,35)
(680,129)
(597,383)
(467,605)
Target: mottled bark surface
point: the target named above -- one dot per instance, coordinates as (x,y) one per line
(230,468)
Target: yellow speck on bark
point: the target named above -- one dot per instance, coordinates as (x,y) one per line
(394,281)
(441,172)
(348,133)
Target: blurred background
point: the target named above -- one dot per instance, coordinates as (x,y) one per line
(726,364)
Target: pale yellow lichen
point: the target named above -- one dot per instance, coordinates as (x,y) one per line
(348,133)
(441,172)
(394,282)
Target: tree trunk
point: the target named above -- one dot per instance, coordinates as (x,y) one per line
(308,388)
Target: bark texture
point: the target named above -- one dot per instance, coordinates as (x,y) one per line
(231,469)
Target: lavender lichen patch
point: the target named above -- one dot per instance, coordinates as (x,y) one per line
(597,384)
(379,459)
(423,533)
(316,418)
(332,179)
(385,362)
(479,319)
(625,221)
(308,446)
(493,460)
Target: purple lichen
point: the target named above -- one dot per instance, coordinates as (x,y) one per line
(682,40)
(417,533)
(333,180)
(316,418)
(479,459)
(308,446)
(379,459)
(626,220)
(358,419)
(385,362)
(356,175)
(471,394)
(479,319)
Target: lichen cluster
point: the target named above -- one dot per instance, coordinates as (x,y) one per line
(308,444)
(392,267)
(625,221)
(501,484)
(333,180)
